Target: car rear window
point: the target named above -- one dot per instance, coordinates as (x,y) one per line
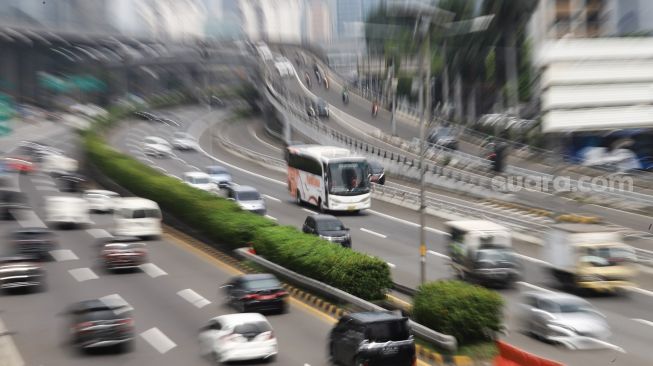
(252,328)
(388,331)
(262,284)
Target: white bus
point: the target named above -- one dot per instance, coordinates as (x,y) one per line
(330,178)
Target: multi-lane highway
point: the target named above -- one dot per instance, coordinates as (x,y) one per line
(166,322)
(390,232)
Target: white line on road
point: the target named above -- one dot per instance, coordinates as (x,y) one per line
(47,188)
(28,218)
(99,233)
(644,321)
(194,167)
(251,130)
(146,160)
(193,298)
(641,291)
(309,211)
(533,287)
(61,255)
(373,233)
(158,340)
(409,223)
(275,199)
(161,169)
(438,254)
(271,217)
(534,260)
(83,274)
(391,265)
(152,270)
(117,302)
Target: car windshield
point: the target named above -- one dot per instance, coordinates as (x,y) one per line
(388,331)
(217,171)
(252,328)
(261,284)
(496,255)
(349,178)
(248,196)
(608,256)
(329,225)
(572,306)
(321,103)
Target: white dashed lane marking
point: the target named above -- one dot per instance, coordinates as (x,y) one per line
(309,211)
(99,233)
(152,270)
(193,298)
(116,302)
(61,255)
(373,233)
(275,199)
(271,217)
(83,274)
(158,340)
(438,254)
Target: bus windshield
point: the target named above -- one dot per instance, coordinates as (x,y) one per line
(349,178)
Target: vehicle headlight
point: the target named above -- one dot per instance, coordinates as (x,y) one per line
(325,237)
(562,328)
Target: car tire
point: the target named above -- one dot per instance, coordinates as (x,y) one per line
(298,198)
(320,206)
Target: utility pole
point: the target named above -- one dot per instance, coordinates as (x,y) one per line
(425,107)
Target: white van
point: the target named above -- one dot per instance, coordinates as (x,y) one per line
(55,163)
(66,210)
(134,216)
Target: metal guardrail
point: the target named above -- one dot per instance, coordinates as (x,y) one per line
(442,340)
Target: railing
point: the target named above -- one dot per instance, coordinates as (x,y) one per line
(442,340)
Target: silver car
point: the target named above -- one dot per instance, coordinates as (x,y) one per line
(247,198)
(564,319)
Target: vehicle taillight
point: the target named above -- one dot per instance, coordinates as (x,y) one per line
(414,361)
(126,322)
(282,294)
(231,338)
(250,297)
(80,326)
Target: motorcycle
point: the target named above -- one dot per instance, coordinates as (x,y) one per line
(345,98)
(375,110)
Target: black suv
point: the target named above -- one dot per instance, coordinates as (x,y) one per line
(372,339)
(329,228)
(256,293)
(97,323)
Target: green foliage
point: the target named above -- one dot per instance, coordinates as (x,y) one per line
(404,85)
(353,272)
(222,221)
(490,66)
(468,312)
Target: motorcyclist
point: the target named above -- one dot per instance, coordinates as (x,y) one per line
(345,95)
(307,78)
(375,108)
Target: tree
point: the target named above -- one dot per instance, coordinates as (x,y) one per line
(510,19)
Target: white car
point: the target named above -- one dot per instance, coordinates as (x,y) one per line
(219,175)
(66,210)
(101,200)
(238,337)
(200,180)
(247,198)
(184,141)
(156,146)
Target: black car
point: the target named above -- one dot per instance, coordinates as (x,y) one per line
(327,227)
(317,108)
(98,324)
(36,241)
(71,182)
(373,339)
(10,202)
(444,136)
(256,293)
(377,173)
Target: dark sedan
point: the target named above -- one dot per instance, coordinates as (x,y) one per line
(256,293)
(123,253)
(328,227)
(71,182)
(20,272)
(36,242)
(377,173)
(11,202)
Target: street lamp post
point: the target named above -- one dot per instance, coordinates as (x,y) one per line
(425,107)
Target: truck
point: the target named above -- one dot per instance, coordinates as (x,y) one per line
(481,251)
(59,164)
(589,256)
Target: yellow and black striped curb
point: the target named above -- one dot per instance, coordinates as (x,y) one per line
(425,355)
(573,218)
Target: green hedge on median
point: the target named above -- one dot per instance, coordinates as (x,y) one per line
(223,221)
(468,312)
(353,272)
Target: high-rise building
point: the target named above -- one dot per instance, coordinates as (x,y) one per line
(349,16)
(318,22)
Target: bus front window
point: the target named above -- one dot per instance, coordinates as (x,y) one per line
(349,178)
